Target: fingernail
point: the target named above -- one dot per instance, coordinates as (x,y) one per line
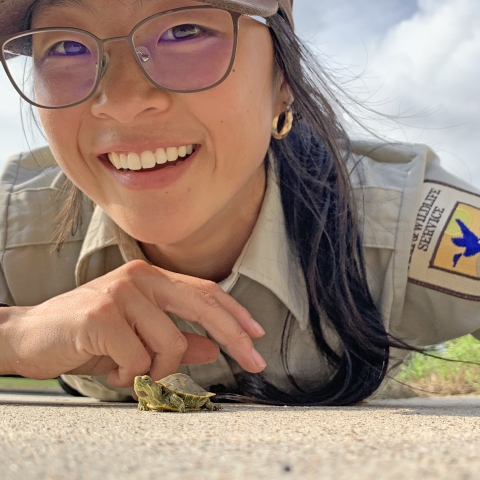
(258,359)
(257,327)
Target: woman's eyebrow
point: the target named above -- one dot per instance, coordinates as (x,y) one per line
(81,4)
(45,4)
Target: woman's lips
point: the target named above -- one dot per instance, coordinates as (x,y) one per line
(155,178)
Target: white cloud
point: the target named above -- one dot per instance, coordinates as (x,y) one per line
(428,60)
(433,60)
(344,23)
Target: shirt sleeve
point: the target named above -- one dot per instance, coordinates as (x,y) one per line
(7,183)
(442,299)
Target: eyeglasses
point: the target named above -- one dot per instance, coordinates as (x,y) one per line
(184,50)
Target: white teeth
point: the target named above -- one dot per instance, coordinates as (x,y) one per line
(134,162)
(172,154)
(115,159)
(124,161)
(148,159)
(161,156)
(182,152)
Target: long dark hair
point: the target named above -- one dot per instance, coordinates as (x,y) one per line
(323,230)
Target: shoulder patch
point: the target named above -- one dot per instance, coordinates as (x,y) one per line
(445,251)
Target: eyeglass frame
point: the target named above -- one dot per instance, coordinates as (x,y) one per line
(104,57)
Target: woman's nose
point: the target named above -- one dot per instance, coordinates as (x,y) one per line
(125,92)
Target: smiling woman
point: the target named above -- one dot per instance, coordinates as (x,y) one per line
(196,179)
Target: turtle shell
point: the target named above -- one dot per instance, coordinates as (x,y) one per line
(182,385)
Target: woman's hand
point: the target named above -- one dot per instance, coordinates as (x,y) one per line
(117,325)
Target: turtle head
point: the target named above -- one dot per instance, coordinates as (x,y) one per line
(145,387)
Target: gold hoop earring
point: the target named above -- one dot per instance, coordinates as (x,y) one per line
(287,125)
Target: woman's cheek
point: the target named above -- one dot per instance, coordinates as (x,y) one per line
(242,129)
(63,131)
(60,126)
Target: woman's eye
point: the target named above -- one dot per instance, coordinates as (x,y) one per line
(184,32)
(68,48)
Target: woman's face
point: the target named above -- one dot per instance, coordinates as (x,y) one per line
(229,126)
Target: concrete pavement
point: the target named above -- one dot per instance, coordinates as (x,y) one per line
(61,437)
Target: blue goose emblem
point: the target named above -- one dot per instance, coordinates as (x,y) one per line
(469,241)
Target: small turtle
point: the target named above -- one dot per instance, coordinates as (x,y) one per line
(175,393)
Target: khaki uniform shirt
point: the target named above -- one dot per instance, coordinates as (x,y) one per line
(419,231)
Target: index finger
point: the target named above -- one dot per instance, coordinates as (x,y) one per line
(238,311)
(196,305)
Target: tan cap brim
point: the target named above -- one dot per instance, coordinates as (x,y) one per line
(12,12)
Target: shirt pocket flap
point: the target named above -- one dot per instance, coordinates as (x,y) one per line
(32,218)
(378,212)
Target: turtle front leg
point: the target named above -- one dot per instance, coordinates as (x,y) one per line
(177,402)
(209,405)
(142,405)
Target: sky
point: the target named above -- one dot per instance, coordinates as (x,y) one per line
(418,60)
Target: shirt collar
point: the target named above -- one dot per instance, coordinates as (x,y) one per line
(265,258)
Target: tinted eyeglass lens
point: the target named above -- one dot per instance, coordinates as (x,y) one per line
(54,68)
(187,50)
(183,51)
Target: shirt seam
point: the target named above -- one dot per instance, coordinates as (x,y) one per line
(369,187)
(39,189)
(378,245)
(395,251)
(33,244)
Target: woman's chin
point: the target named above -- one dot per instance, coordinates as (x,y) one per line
(167,235)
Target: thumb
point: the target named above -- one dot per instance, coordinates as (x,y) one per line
(200,351)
